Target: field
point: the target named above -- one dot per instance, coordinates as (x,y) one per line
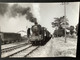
(67,49)
(57,47)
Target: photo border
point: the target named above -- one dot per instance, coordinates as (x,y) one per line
(45,58)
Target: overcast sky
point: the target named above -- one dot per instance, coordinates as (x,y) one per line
(45,14)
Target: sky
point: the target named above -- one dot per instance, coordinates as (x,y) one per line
(45,14)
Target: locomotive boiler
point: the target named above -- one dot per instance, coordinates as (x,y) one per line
(40,35)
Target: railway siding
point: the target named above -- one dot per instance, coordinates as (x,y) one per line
(25,52)
(7,54)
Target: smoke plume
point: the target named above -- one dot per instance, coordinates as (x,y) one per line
(3,8)
(17,9)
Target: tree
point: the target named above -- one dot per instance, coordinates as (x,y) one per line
(77,29)
(71,30)
(60,23)
(59,33)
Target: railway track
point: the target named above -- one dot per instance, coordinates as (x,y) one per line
(31,51)
(25,52)
(18,51)
(12,52)
(12,48)
(12,44)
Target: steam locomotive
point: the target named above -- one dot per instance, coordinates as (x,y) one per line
(40,35)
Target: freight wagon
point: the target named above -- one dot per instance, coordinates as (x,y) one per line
(10,37)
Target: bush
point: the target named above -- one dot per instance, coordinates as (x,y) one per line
(59,33)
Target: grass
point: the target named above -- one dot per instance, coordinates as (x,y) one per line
(62,49)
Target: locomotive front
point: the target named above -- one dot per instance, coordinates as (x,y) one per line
(36,36)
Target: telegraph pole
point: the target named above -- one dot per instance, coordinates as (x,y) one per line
(65,20)
(64,3)
(0,28)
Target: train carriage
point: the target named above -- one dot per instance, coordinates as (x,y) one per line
(9,37)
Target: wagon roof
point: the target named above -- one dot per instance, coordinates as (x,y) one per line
(9,32)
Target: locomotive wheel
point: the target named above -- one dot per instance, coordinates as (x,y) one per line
(32,42)
(39,43)
(12,41)
(2,42)
(35,42)
(19,40)
(6,42)
(16,40)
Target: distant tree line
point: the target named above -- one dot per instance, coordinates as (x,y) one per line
(62,23)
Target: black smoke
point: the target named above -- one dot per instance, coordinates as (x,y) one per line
(3,8)
(30,17)
(17,9)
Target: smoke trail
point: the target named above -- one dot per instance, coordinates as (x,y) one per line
(3,8)
(16,9)
(36,10)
